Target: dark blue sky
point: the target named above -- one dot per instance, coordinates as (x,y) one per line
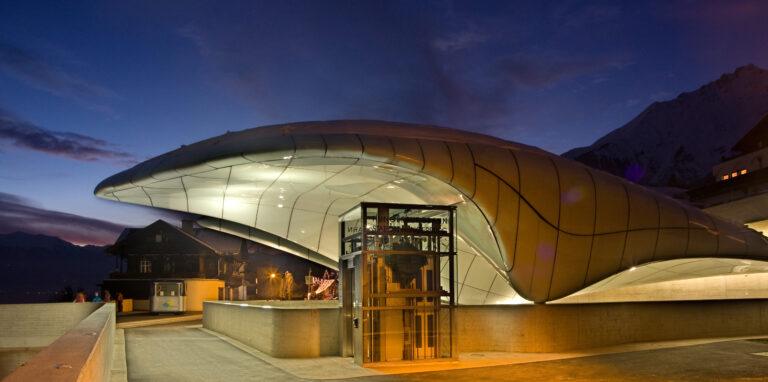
(88,88)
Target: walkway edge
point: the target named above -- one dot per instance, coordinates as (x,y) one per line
(119,372)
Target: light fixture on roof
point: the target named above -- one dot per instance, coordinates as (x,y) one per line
(279,206)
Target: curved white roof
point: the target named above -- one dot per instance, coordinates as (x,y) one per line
(541,224)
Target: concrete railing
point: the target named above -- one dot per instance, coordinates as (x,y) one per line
(84,353)
(296,330)
(562,327)
(25,329)
(284,329)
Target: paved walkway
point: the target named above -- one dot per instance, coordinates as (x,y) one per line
(721,361)
(190,353)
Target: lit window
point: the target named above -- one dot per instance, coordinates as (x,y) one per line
(726,177)
(734,174)
(743,171)
(145,266)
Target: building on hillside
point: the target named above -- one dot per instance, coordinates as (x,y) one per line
(739,189)
(213,265)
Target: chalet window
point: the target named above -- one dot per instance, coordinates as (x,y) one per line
(145,266)
(168,265)
(159,238)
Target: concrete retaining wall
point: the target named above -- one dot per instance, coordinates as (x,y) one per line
(295,332)
(25,329)
(84,353)
(38,325)
(284,329)
(561,327)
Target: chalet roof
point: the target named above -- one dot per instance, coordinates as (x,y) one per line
(130,234)
(224,243)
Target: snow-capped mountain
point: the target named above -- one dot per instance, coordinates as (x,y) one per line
(676,143)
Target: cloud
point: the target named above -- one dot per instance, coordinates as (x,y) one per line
(40,74)
(538,72)
(579,15)
(459,73)
(461,40)
(24,135)
(17,215)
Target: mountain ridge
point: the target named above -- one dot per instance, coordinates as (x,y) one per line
(675,143)
(38,268)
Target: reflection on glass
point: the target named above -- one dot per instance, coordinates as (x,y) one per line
(407,312)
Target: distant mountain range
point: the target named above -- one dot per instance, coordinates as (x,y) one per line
(38,268)
(676,143)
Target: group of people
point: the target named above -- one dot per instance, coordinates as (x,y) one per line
(81,297)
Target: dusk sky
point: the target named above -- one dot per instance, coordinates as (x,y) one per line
(87,89)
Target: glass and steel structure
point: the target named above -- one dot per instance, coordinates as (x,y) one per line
(400,289)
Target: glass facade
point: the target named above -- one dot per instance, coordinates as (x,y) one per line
(405,260)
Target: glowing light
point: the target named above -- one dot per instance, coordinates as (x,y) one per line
(279,206)
(288,157)
(734,174)
(390,186)
(726,177)
(632,269)
(272,275)
(743,171)
(243,304)
(517,300)
(281,197)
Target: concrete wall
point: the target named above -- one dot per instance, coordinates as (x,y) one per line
(25,329)
(84,353)
(37,325)
(284,329)
(561,327)
(199,290)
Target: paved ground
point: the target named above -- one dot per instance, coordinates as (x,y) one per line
(721,361)
(189,354)
(178,352)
